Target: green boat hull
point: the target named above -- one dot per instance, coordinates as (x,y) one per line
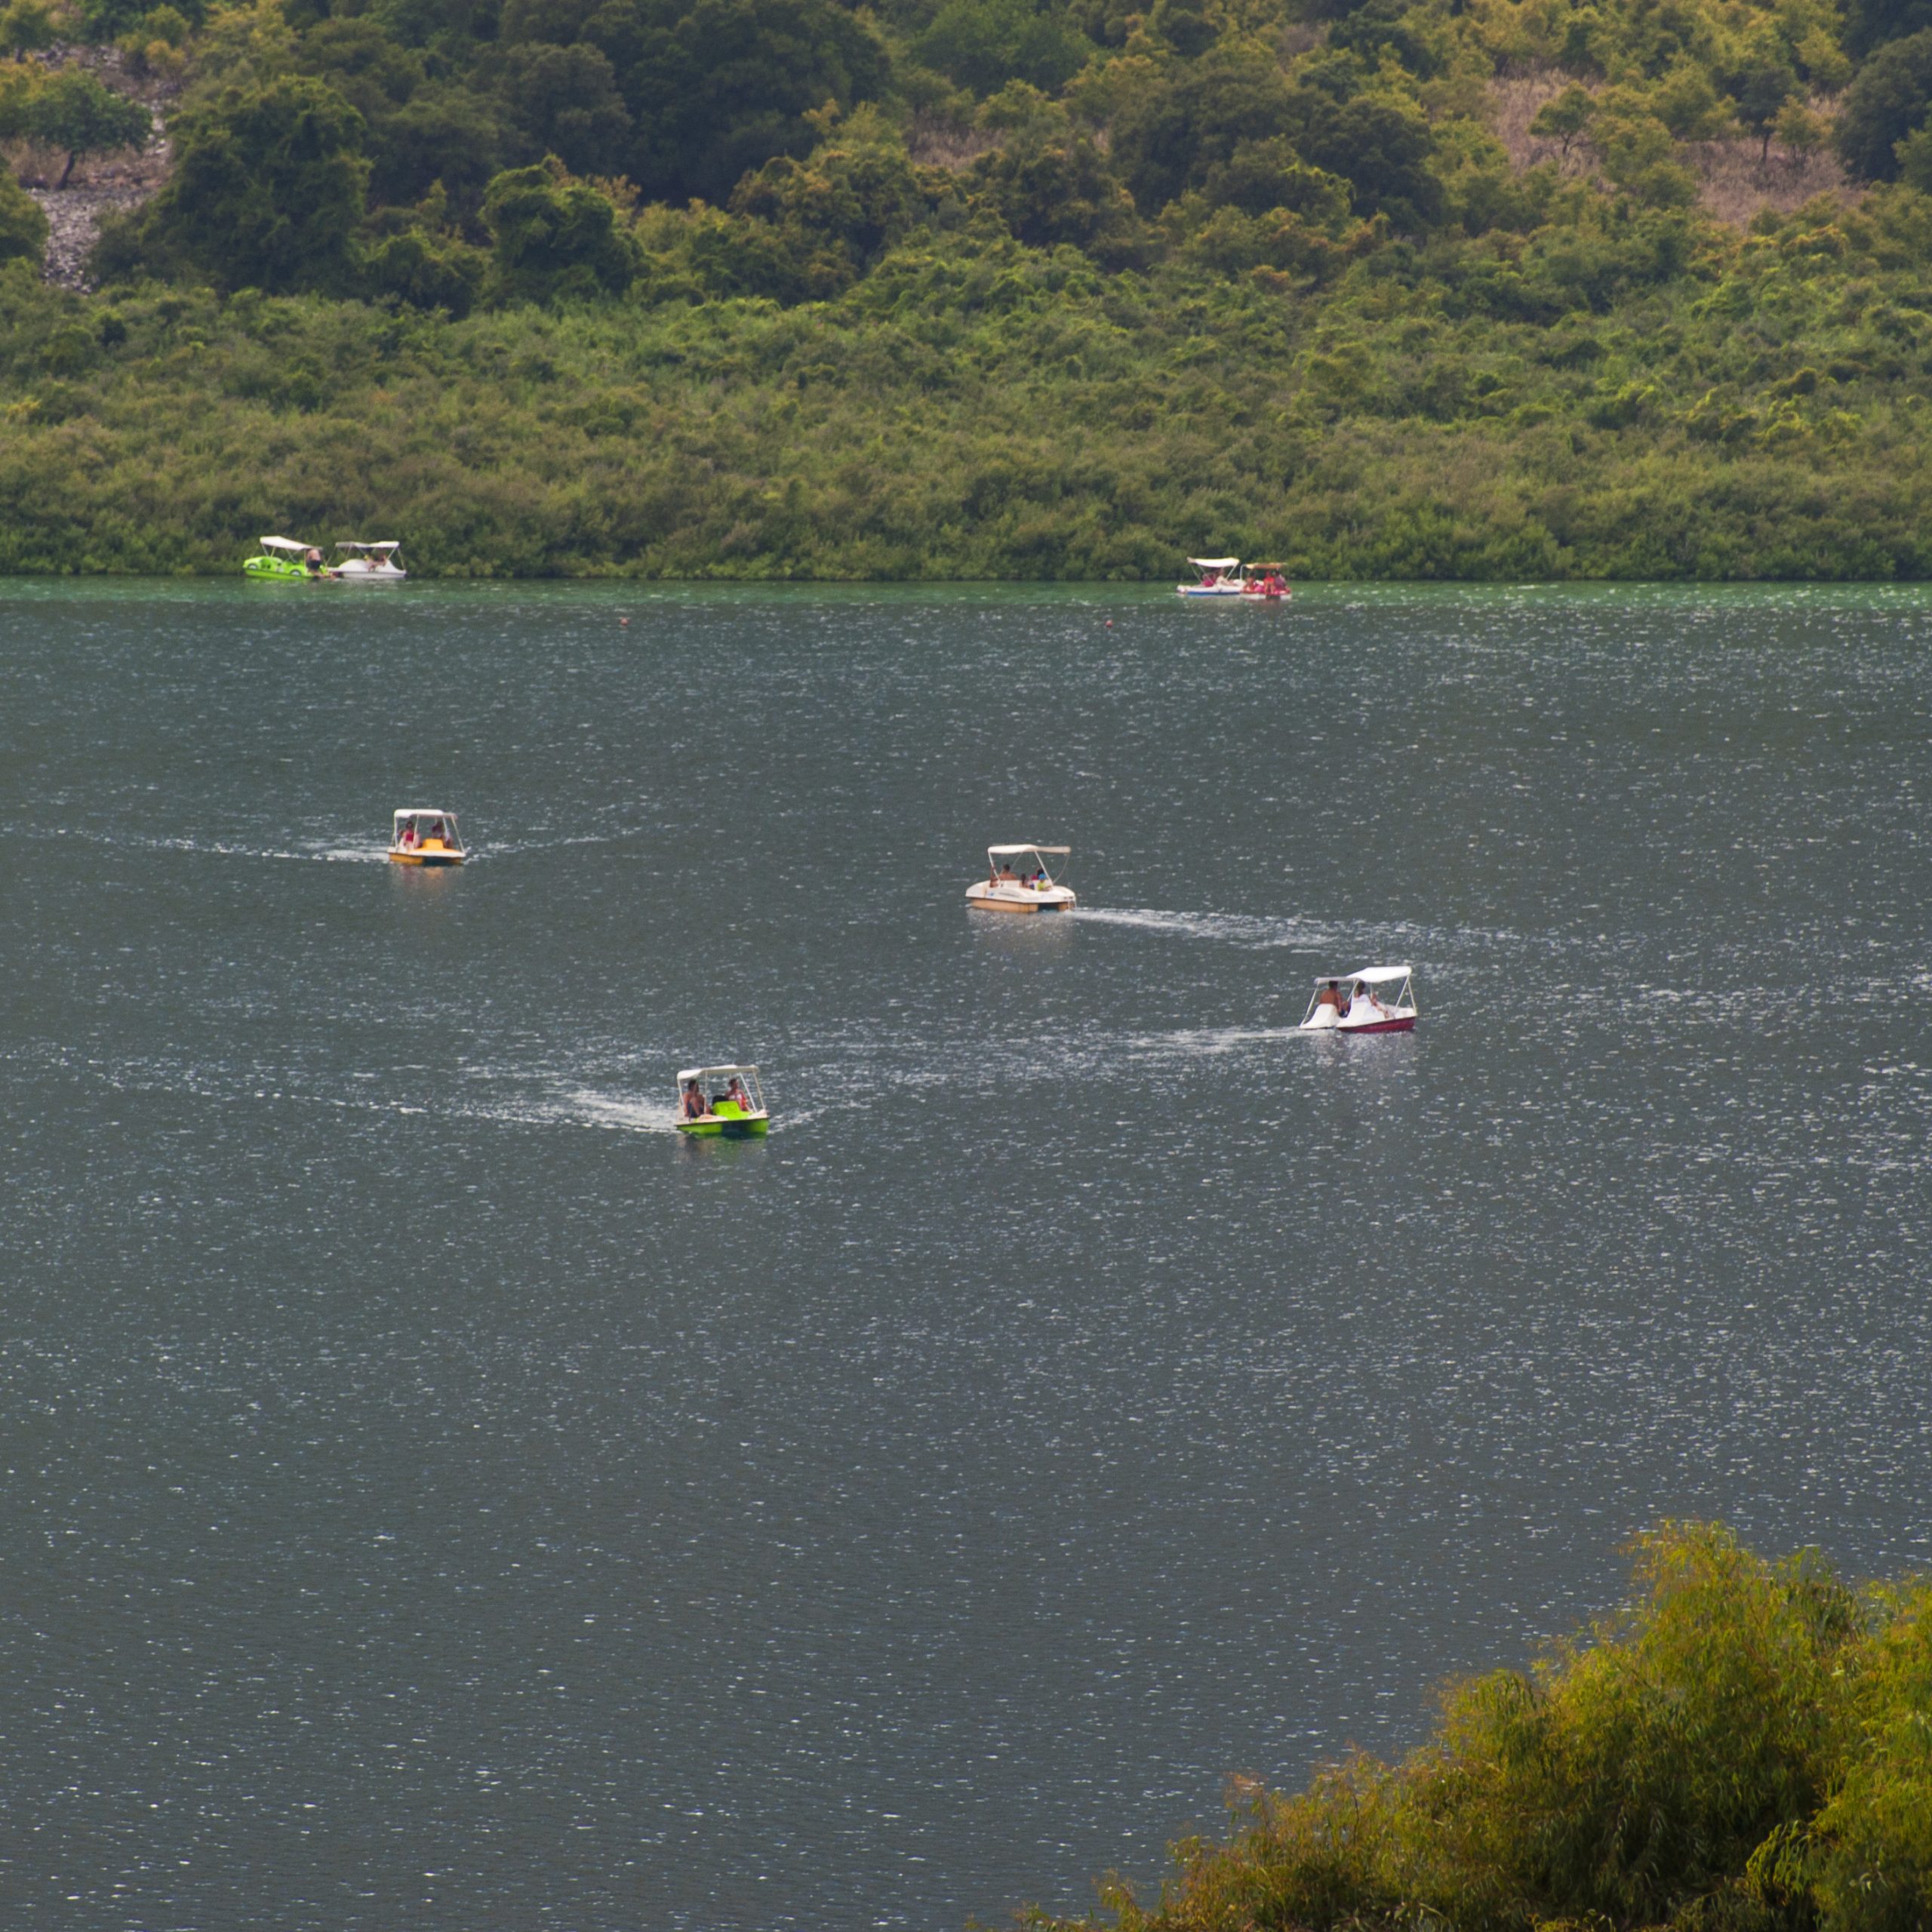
(279,569)
(732,1126)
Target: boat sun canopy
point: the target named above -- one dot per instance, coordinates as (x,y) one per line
(1013,851)
(706,1072)
(1377,976)
(388,543)
(1215,563)
(422,811)
(286,543)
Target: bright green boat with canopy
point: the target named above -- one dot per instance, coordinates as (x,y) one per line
(282,559)
(736,1113)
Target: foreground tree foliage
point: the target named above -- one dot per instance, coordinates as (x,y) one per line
(1745,1749)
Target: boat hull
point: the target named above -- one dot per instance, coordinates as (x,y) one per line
(277,570)
(1401,1023)
(427,858)
(1209,590)
(1061,899)
(714,1126)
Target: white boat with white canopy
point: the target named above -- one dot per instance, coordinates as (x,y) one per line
(1220,577)
(368,563)
(1018,881)
(1377,999)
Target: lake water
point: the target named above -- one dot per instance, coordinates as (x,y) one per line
(436,1495)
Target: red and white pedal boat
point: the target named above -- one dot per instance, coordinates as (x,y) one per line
(1353,1003)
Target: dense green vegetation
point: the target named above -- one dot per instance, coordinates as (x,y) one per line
(1748,1748)
(966,287)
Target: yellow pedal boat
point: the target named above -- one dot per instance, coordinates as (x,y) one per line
(425,836)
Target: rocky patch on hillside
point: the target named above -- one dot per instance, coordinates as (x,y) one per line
(102,185)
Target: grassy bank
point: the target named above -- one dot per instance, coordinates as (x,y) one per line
(1747,1748)
(1622,393)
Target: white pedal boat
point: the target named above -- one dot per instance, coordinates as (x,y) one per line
(1350,1002)
(368,563)
(1018,881)
(1220,577)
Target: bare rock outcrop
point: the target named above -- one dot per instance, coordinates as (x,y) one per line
(104,184)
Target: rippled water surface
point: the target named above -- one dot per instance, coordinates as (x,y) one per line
(437,1495)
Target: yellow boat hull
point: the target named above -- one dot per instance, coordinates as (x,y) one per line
(430,854)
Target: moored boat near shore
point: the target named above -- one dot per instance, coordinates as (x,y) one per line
(368,563)
(282,559)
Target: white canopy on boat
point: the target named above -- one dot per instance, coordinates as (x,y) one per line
(1215,563)
(705,1072)
(286,543)
(1013,851)
(1374,976)
(422,811)
(388,543)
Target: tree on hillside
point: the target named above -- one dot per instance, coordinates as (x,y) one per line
(25,26)
(565,102)
(1566,117)
(1380,144)
(1888,98)
(713,89)
(267,192)
(1871,23)
(1168,133)
(1800,132)
(984,44)
(443,133)
(1761,90)
(555,238)
(74,113)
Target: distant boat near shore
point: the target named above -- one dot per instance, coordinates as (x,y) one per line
(1228,577)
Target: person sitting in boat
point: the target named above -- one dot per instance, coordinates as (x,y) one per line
(694,1107)
(312,562)
(1371,1006)
(407,839)
(1331,996)
(1007,875)
(435,831)
(735,1091)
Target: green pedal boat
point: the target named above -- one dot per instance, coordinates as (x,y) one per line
(734,1112)
(282,559)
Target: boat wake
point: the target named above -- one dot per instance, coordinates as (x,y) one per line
(1205,1042)
(1234,928)
(324,851)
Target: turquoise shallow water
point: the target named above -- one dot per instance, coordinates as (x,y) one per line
(436,1495)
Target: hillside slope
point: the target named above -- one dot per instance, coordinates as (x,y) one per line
(991,288)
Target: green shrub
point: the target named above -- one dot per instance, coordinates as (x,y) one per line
(23,226)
